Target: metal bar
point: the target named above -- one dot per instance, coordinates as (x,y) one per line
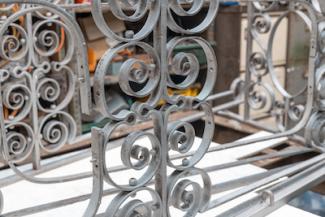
(278,195)
(260,183)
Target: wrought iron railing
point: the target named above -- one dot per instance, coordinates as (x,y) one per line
(30,88)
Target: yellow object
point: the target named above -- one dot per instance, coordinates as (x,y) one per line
(192,91)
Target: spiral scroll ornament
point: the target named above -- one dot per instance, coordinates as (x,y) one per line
(14,46)
(296,112)
(181,139)
(144,74)
(261,97)
(122,207)
(187,66)
(188,196)
(17,97)
(191,8)
(49,87)
(48,41)
(57,129)
(315,131)
(141,9)
(20,141)
(257,64)
(142,161)
(262,23)
(264,5)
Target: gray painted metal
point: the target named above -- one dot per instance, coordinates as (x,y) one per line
(29,90)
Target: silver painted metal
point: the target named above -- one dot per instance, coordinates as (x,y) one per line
(146,188)
(33,109)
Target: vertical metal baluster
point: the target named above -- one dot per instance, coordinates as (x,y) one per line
(34,112)
(249,44)
(160,43)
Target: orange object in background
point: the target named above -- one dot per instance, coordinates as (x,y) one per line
(61,41)
(92,59)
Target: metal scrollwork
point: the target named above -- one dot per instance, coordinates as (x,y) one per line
(38,80)
(135,207)
(140,159)
(189,196)
(187,66)
(264,6)
(169,137)
(194,7)
(181,139)
(261,97)
(20,137)
(145,74)
(315,131)
(273,99)
(57,129)
(139,10)
(155,172)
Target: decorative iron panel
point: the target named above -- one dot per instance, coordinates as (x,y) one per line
(39,83)
(147,187)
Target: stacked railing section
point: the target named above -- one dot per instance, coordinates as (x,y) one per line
(158,174)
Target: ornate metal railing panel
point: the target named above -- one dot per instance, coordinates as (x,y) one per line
(38,79)
(146,187)
(263,91)
(274,99)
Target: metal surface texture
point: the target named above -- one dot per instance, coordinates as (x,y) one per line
(34,111)
(31,90)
